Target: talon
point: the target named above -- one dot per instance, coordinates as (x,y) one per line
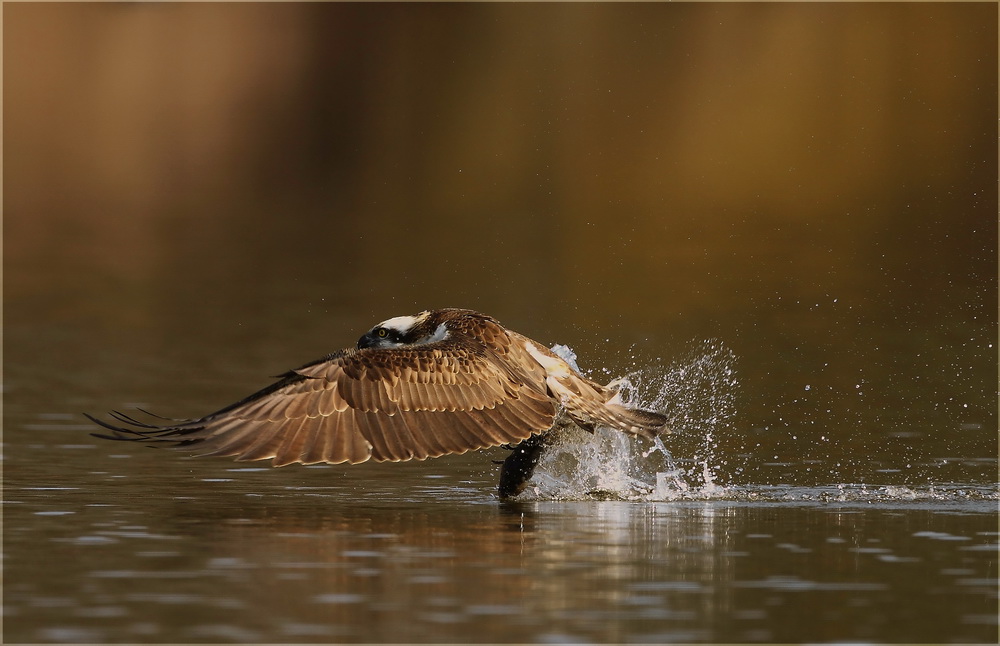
(519,466)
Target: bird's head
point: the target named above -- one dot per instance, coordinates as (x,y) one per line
(425,327)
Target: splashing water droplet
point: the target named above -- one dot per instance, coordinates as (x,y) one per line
(697,393)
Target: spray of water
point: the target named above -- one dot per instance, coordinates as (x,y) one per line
(697,393)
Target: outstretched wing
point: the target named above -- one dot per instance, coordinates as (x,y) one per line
(393,404)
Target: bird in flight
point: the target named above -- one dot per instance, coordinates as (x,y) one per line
(441,382)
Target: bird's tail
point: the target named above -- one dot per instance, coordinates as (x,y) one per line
(590,404)
(636,420)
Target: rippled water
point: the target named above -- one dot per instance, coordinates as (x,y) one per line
(160,549)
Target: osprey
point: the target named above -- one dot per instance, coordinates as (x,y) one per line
(415,387)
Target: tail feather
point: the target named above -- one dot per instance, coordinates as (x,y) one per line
(638,421)
(588,404)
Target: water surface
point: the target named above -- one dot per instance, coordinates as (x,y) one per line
(194,551)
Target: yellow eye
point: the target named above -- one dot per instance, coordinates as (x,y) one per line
(381,333)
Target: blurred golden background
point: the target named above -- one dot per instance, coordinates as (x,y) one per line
(242,187)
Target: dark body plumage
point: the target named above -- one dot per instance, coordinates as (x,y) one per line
(444,381)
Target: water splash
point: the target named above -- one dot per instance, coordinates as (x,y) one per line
(697,393)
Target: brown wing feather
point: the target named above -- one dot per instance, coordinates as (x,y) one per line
(397,404)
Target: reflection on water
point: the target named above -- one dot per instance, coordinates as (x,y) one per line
(244,558)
